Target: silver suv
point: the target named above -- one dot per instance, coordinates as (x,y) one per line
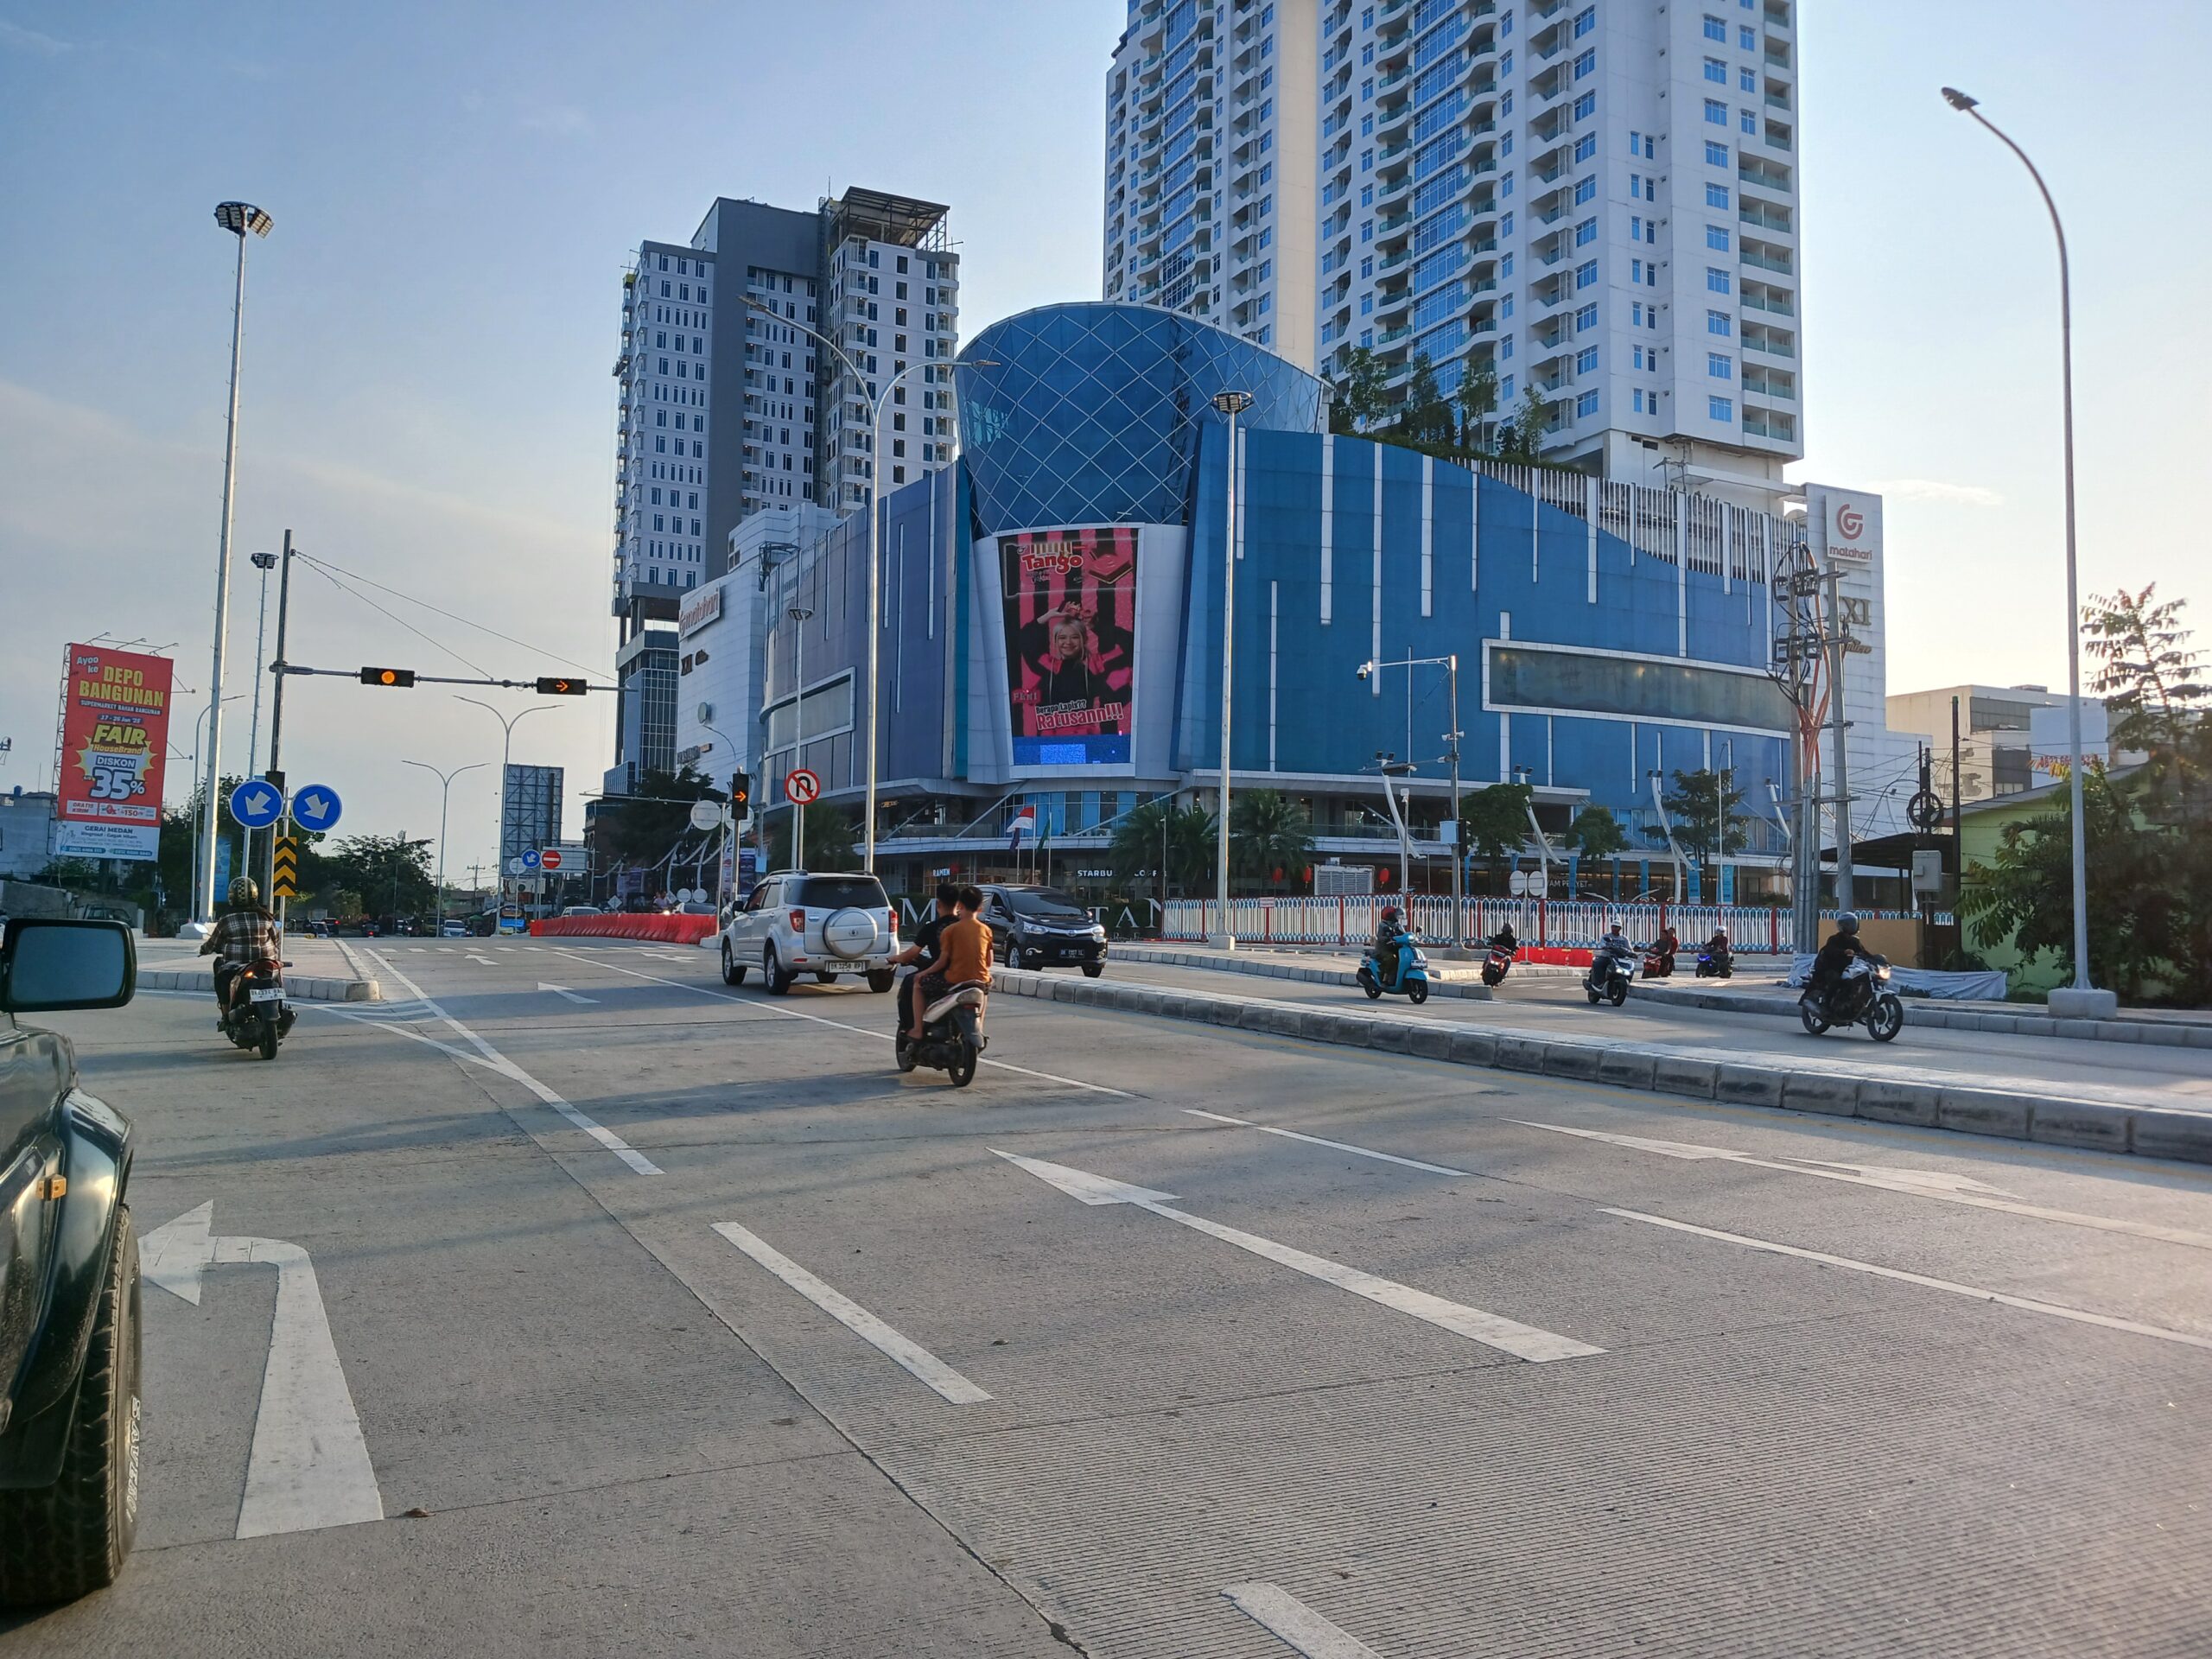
(794,923)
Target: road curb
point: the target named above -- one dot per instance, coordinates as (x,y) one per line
(302,987)
(1921,1011)
(2052,1120)
(1469,990)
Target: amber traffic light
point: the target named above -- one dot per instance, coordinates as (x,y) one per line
(553,685)
(387,677)
(741,798)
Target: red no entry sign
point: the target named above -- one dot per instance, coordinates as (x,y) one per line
(802,786)
(549,858)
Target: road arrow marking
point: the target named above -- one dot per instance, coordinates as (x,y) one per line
(485,961)
(309,1466)
(1917,1183)
(1523,1341)
(564,993)
(849,1313)
(1276,1609)
(2027,1303)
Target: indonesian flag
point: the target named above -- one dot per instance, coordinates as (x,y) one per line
(1023,824)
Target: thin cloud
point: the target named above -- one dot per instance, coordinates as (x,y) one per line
(17,38)
(562,120)
(1936,489)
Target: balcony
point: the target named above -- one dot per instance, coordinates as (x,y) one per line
(1765,259)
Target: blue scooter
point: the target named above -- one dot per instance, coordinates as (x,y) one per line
(1411,980)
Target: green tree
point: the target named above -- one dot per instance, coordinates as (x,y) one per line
(1360,401)
(636,830)
(1270,839)
(1524,441)
(1694,808)
(1595,833)
(1141,842)
(1424,420)
(1475,403)
(831,833)
(392,874)
(1495,820)
(342,902)
(2156,692)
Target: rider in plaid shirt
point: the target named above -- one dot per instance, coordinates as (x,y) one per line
(242,934)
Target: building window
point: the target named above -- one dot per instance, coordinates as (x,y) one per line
(1717,322)
(1716,72)
(1749,121)
(1586,360)
(1585,189)
(1586,63)
(1747,38)
(1747,80)
(1585,319)
(1721,365)
(1717,281)
(1720,409)
(1585,232)
(1585,20)
(1585,405)
(1716,196)
(1586,106)
(1715,155)
(1586,273)
(1716,114)
(1716,28)
(1716,239)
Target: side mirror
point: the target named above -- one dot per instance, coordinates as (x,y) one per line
(49,965)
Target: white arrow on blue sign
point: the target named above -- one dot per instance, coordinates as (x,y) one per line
(256,804)
(530,858)
(316,807)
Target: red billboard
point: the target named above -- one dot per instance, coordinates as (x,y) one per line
(1070,644)
(115,730)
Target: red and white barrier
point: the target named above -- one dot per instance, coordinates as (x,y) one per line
(667,929)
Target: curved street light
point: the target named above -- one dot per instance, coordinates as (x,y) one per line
(445,791)
(2081,1001)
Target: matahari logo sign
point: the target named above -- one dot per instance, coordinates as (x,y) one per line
(1854,529)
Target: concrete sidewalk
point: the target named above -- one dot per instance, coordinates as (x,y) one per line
(2012,1107)
(322,970)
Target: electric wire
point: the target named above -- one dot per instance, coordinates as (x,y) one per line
(327,577)
(454,616)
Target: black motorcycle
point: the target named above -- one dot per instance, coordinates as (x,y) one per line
(1608,978)
(1860,995)
(1716,964)
(257,1016)
(1496,964)
(952,1039)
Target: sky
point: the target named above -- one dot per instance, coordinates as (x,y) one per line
(426,397)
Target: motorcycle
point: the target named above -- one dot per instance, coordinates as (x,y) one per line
(1658,963)
(952,1039)
(1496,964)
(1716,964)
(1411,981)
(257,1016)
(1608,979)
(1861,996)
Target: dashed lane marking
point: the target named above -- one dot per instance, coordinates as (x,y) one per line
(1276,1609)
(500,1062)
(1334,1146)
(854,1318)
(2028,1304)
(793,1014)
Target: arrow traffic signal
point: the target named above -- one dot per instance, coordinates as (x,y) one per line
(554,685)
(387,677)
(741,798)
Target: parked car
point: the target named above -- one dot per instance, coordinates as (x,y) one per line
(794,922)
(453,930)
(69,1475)
(1043,927)
(580,910)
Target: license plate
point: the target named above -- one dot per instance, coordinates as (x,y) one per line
(267,997)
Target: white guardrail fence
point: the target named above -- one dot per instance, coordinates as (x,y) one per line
(1543,922)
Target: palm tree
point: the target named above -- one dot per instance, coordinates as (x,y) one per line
(1182,836)
(1270,838)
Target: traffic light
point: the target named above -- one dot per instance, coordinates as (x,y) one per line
(553,685)
(741,798)
(387,677)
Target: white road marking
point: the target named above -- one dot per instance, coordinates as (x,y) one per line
(500,1062)
(485,961)
(2028,1304)
(1336,1146)
(1917,1183)
(565,994)
(854,1318)
(884,1036)
(1276,1609)
(309,1466)
(443,949)
(1523,1341)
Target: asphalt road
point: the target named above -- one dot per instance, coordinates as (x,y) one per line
(688,1326)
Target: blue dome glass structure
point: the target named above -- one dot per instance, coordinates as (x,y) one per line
(1091,413)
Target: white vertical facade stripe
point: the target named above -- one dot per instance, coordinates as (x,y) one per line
(1727,546)
(1427,535)
(1592,514)
(1374,594)
(1536,524)
(1475,536)
(1504,721)
(1274,612)
(1328,526)
(1681,576)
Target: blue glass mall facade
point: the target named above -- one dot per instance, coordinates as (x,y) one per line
(1052,637)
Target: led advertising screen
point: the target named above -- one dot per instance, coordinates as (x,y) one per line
(1070,644)
(115,730)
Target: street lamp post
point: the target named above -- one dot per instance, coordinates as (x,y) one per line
(1231,403)
(507,724)
(1450,664)
(878,403)
(2080,1001)
(445,794)
(238,218)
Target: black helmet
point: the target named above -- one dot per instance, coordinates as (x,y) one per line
(243,892)
(1846,922)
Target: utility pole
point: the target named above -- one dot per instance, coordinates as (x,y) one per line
(1837,638)
(275,771)
(1230,403)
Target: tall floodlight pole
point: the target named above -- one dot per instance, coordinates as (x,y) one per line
(238,218)
(1231,403)
(506,754)
(1450,664)
(2080,1001)
(445,794)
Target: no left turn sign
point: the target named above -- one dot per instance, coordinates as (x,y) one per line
(802,786)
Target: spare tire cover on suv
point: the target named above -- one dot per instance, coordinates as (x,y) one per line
(849,933)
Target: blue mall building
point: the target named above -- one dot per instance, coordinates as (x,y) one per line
(1051,621)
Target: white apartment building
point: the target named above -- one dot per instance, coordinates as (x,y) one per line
(1595,198)
(1210,153)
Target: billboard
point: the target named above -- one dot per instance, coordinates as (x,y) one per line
(1070,644)
(529,810)
(1850,522)
(115,730)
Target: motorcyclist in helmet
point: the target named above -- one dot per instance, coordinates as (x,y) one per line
(1387,927)
(242,934)
(1615,943)
(1844,946)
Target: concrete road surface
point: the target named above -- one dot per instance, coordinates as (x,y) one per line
(568,1303)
